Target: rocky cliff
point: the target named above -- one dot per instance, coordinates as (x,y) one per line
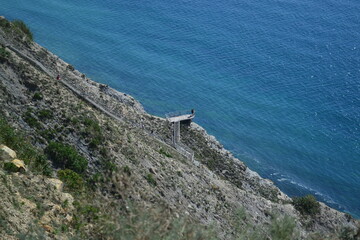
(122,179)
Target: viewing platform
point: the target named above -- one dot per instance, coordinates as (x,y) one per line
(177,118)
(180,116)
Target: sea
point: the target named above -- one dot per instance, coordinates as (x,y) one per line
(277,82)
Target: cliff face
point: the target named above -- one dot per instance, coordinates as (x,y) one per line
(130,159)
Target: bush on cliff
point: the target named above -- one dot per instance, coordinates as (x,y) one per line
(10,167)
(65,156)
(140,222)
(280,227)
(93,132)
(23,28)
(4,23)
(72,180)
(307,205)
(17,141)
(4,55)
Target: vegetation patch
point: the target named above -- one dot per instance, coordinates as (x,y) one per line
(37,96)
(109,165)
(93,132)
(86,214)
(130,153)
(154,224)
(127,170)
(71,179)
(4,55)
(20,25)
(165,153)
(48,134)
(283,228)
(10,167)
(280,228)
(45,114)
(150,178)
(5,23)
(31,120)
(90,212)
(307,205)
(348,233)
(65,156)
(70,67)
(17,141)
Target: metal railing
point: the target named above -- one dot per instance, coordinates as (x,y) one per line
(177,113)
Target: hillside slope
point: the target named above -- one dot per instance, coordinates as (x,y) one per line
(130,169)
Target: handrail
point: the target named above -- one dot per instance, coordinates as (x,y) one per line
(177,113)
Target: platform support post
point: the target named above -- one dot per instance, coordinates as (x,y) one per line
(176,132)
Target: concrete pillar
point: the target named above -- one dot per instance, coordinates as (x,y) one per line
(176,134)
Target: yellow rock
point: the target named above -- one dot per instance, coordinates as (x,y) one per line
(68,218)
(19,164)
(58,184)
(48,228)
(6,153)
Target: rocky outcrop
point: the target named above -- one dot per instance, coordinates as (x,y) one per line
(32,206)
(6,153)
(19,165)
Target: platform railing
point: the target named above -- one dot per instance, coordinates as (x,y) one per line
(177,113)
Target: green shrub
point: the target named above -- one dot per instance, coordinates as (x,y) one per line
(127,170)
(5,23)
(41,164)
(348,233)
(37,96)
(130,153)
(10,167)
(108,165)
(48,134)
(307,205)
(95,142)
(30,120)
(4,55)
(165,153)
(282,228)
(85,214)
(71,179)
(93,132)
(23,28)
(70,67)
(150,179)
(95,178)
(89,212)
(45,114)
(153,224)
(18,142)
(65,156)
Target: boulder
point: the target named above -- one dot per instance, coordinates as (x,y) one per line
(6,154)
(58,184)
(19,164)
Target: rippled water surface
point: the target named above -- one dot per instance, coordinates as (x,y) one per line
(277,82)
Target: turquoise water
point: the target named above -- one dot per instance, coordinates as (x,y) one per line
(277,82)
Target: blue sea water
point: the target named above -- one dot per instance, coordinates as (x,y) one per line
(277,82)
